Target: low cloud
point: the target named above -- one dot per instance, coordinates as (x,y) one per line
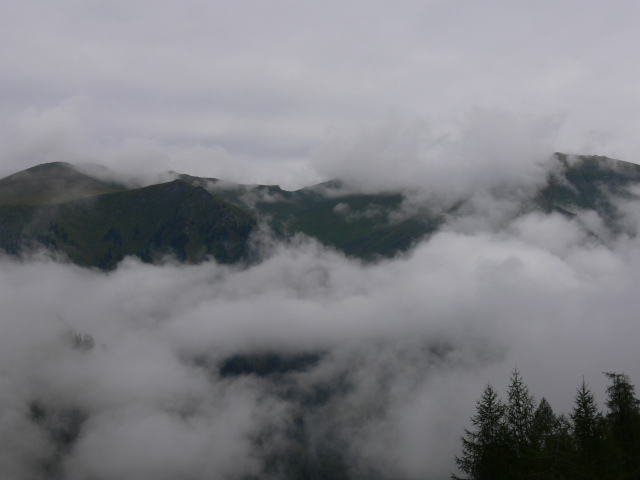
(73,131)
(371,211)
(487,149)
(400,350)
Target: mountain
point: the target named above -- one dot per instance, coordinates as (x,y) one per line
(57,182)
(172,218)
(362,225)
(96,223)
(588,183)
(371,226)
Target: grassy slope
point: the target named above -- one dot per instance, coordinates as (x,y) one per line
(360,225)
(172,218)
(50,183)
(190,223)
(588,183)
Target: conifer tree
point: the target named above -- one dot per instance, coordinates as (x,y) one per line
(587,432)
(551,447)
(520,411)
(585,420)
(624,420)
(483,448)
(544,422)
(516,440)
(562,448)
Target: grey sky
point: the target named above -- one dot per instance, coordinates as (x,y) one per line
(249,89)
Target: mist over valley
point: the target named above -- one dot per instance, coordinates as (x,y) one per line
(349,338)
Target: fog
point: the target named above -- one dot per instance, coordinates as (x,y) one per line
(400,350)
(485,148)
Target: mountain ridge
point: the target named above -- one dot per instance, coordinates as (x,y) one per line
(56,182)
(173,218)
(96,223)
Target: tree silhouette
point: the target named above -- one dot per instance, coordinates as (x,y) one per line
(484,448)
(587,430)
(516,440)
(624,421)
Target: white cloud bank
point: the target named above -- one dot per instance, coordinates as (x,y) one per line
(406,346)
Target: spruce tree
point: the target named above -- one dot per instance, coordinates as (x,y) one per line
(483,448)
(544,422)
(587,433)
(585,420)
(551,450)
(562,448)
(520,411)
(624,421)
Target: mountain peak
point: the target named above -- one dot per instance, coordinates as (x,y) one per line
(49,183)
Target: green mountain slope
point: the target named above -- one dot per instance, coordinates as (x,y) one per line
(370,226)
(193,218)
(588,183)
(361,225)
(50,183)
(172,218)
(366,226)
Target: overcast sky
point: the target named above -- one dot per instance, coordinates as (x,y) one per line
(253,90)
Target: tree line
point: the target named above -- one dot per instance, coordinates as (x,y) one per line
(520,439)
